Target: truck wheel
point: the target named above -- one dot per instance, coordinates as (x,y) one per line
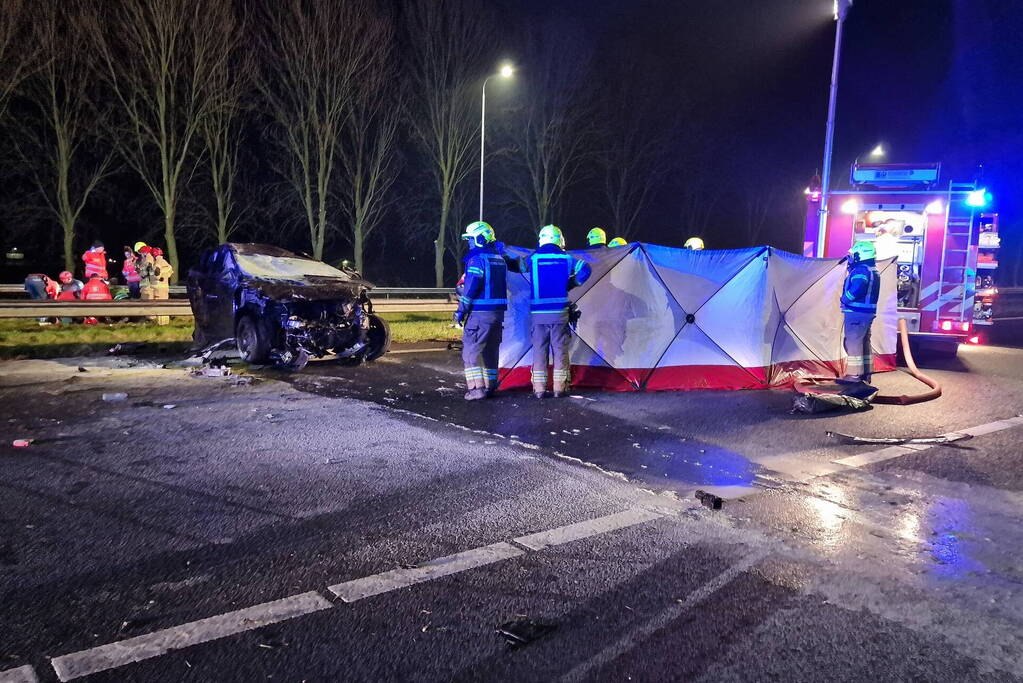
(378,337)
(252,339)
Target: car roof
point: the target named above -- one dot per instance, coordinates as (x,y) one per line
(264,249)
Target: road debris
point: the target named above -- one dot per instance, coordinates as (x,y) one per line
(125,348)
(169,406)
(211,371)
(942,438)
(812,404)
(22,443)
(115,396)
(522,632)
(709,500)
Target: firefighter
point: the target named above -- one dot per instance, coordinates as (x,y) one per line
(596,239)
(144,267)
(481,305)
(618,242)
(694,243)
(552,273)
(859,306)
(161,274)
(95,261)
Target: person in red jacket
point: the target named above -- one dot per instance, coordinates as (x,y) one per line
(96,261)
(70,288)
(130,272)
(96,290)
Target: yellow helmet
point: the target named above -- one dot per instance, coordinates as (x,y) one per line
(138,245)
(596,236)
(479,233)
(617,242)
(693,243)
(863,251)
(551,234)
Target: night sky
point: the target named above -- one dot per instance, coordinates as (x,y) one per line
(933,80)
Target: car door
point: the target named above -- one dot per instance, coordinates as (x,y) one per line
(218,289)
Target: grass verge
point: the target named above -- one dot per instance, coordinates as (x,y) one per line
(20,338)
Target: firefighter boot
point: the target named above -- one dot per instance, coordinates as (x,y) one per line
(476,391)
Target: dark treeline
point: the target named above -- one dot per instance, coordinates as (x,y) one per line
(351,129)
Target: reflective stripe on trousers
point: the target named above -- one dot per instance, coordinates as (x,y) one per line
(481,346)
(860,360)
(557,339)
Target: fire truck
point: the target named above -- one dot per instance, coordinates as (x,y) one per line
(943,236)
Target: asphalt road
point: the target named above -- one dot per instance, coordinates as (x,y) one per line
(367,524)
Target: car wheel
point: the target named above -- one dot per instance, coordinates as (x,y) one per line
(252,339)
(378,338)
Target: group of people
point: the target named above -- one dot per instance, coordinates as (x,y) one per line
(553,272)
(144,269)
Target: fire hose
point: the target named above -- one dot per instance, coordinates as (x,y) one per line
(805,385)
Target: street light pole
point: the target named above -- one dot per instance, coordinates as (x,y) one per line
(841,10)
(483,127)
(505,72)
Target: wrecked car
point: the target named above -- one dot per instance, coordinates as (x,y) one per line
(283,308)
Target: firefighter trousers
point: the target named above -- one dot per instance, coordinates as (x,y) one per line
(481,346)
(860,360)
(555,338)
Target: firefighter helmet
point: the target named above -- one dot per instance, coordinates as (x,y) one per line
(138,246)
(479,234)
(694,243)
(551,234)
(862,251)
(596,236)
(617,242)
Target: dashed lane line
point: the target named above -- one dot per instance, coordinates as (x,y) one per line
(78,664)
(629,641)
(112,655)
(591,527)
(350,591)
(22,674)
(891,452)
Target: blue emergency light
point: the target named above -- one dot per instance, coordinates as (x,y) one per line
(978,198)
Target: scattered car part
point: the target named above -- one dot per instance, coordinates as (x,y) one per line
(943,438)
(115,396)
(709,500)
(22,443)
(521,632)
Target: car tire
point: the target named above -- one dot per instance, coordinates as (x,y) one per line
(378,338)
(252,339)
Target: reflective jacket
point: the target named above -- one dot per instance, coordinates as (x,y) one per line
(95,263)
(69,291)
(129,271)
(553,272)
(486,280)
(96,290)
(862,285)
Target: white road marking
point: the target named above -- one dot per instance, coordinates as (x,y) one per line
(94,660)
(590,527)
(350,591)
(23,674)
(895,451)
(629,641)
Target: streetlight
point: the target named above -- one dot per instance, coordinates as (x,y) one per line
(878,152)
(506,71)
(841,10)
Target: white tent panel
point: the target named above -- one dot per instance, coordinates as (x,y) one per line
(692,277)
(736,316)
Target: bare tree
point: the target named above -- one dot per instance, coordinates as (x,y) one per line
(637,141)
(315,52)
(60,146)
(222,128)
(368,146)
(16,56)
(448,42)
(159,60)
(554,134)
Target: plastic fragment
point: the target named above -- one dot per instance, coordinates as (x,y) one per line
(22,443)
(115,396)
(709,500)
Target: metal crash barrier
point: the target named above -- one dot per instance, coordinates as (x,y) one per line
(180,307)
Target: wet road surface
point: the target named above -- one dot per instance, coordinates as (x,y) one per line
(367,524)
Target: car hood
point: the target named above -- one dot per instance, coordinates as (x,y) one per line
(309,290)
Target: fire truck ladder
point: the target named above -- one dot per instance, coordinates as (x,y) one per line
(956,276)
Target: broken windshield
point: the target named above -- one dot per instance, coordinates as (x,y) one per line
(284,268)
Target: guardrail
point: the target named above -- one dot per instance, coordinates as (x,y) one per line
(178,307)
(376,293)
